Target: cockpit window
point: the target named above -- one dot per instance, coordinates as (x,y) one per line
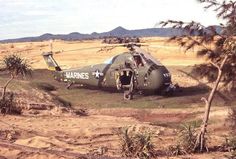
(138,60)
(150,59)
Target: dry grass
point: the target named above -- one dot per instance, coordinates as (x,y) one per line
(167,53)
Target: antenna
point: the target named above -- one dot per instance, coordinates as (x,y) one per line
(156,25)
(51,45)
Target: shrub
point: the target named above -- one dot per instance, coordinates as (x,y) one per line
(136,143)
(8,106)
(44,86)
(175,150)
(232,120)
(12,46)
(186,140)
(61,101)
(231,141)
(187,137)
(230,145)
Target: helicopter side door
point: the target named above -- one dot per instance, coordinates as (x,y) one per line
(140,70)
(120,71)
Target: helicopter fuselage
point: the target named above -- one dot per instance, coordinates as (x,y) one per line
(150,76)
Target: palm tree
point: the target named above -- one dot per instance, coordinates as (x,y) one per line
(15,66)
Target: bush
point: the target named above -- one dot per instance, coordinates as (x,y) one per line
(230,146)
(8,106)
(188,137)
(12,46)
(175,150)
(232,119)
(61,101)
(44,86)
(186,140)
(230,143)
(136,143)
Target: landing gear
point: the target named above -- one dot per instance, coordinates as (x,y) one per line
(126,81)
(128,95)
(169,91)
(69,85)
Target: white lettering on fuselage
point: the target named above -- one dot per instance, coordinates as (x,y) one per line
(77,75)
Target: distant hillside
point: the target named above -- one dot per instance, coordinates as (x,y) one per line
(119,31)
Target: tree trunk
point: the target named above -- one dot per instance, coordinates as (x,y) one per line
(5,87)
(200,143)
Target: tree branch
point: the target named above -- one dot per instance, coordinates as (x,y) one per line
(214,64)
(223,62)
(204,99)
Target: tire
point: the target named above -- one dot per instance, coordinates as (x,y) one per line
(128,95)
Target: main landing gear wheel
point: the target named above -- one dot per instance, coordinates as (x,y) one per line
(128,95)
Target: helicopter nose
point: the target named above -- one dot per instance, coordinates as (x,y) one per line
(159,79)
(155,79)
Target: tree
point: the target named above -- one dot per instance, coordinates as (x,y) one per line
(218,45)
(16,66)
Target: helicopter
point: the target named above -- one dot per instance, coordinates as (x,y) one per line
(130,72)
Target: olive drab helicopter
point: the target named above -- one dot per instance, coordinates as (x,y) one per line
(130,72)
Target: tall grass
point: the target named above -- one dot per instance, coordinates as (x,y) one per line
(136,143)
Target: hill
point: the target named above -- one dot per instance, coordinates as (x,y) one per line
(119,31)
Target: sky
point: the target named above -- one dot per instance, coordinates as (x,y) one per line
(23,18)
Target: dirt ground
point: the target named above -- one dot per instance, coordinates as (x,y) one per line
(54,134)
(95,134)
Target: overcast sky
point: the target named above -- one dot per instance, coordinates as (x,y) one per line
(20,18)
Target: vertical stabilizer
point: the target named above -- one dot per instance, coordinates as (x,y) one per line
(51,63)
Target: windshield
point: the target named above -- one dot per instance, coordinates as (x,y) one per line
(108,61)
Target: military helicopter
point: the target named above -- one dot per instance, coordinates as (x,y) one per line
(130,72)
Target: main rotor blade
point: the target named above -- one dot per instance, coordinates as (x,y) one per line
(104,46)
(88,48)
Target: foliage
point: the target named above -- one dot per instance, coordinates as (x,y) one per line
(213,42)
(187,137)
(230,146)
(230,143)
(44,86)
(232,119)
(61,101)
(175,150)
(15,65)
(8,106)
(217,45)
(136,143)
(186,140)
